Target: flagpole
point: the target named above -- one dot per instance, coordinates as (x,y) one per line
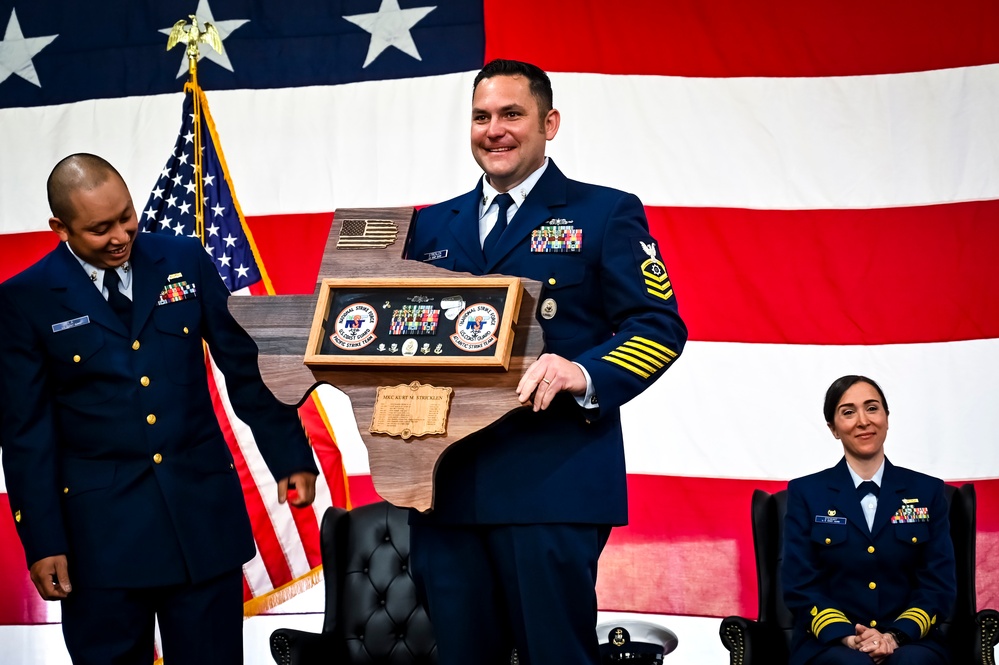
(194,35)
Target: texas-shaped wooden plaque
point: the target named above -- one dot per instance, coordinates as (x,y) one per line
(402,471)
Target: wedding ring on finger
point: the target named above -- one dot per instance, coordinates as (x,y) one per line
(547,381)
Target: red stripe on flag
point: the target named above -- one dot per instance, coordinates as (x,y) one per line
(307,525)
(362,490)
(21,603)
(19,251)
(268,545)
(323,441)
(882,276)
(291,246)
(688,548)
(726,38)
(767,276)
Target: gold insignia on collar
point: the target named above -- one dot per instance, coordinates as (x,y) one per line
(173,276)
(831,513)
(908,501)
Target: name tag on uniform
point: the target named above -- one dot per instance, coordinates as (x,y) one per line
(435,256)
(72,323)
(825,519)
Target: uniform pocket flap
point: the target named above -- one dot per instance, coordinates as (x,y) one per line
(85,475)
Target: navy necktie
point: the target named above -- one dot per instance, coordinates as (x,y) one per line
(121,305)
(867,487)
(504,201)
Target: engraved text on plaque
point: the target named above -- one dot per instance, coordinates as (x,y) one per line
(410,410)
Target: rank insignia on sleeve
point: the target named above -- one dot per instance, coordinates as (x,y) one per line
(557,236)
(825,618)
(654,272)
(641,356)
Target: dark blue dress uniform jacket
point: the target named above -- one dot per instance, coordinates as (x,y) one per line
(836,573)
(615,315)
(111,448)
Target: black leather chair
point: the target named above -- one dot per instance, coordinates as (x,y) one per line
(372,613)
(766,641)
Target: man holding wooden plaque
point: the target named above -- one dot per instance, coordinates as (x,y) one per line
(523,508)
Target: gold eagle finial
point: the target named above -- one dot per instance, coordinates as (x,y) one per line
(193,35)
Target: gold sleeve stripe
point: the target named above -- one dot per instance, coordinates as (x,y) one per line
(625,357)
(826,618)
(649,354)
(655,345)
(627,366)
(641,355)
(638,352)
(920,617)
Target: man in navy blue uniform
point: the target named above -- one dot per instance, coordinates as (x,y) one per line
(508,556)
(868,568)
(123,490)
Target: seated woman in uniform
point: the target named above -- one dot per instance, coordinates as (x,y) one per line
(868,566)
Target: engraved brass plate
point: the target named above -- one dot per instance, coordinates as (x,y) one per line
(410,410)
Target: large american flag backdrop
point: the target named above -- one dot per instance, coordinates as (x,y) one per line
(822,178)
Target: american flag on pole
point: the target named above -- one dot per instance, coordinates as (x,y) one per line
(821,178)
(288,556)
(173,207)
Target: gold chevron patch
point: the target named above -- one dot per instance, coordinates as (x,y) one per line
(826,618)
(656,280)
(641,356)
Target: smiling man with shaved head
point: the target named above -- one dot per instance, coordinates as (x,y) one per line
(123,490)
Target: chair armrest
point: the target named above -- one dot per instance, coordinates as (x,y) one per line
(986,636)
(750,642)
(298,647)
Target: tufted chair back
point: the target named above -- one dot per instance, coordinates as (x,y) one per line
(373,615)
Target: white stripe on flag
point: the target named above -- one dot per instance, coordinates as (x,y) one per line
(280,515)
(338,409)
(324,498)
(764,420)
(769,143)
